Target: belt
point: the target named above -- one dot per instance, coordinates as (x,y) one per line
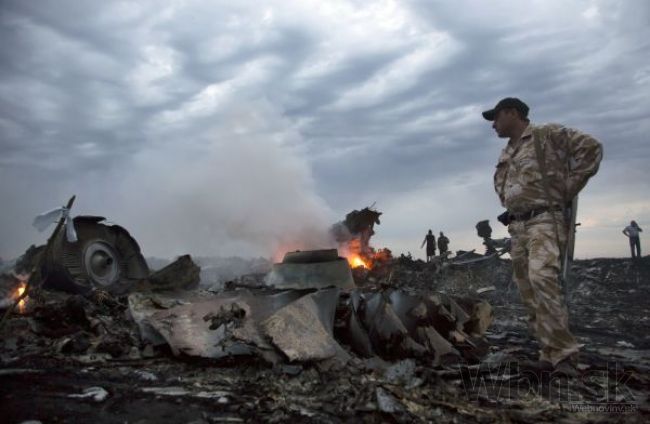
(525,216)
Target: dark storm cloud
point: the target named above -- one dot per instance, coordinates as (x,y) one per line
(573,71)
(355,102)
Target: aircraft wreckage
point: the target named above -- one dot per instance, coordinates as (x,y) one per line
(316,338)
(290,319)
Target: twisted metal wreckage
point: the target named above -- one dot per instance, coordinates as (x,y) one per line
(293,319)
(290,319)
(345,345)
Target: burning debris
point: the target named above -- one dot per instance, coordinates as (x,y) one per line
(403,353)
(85,256)
(296,323)
(353,236)
(13,292)
(312,269)
(393,340)
(358,225)
(22,300)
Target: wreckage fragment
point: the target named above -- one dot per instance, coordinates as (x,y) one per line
(97,394)
(480,318)
(397,324)
(182,274)
(297,324)
(386,402)
(353,237)
(358,225)
(494,248)
(184,323)
(302,330)
(313,269)
(356,335)
(104,257)
(442,349)
(386,330)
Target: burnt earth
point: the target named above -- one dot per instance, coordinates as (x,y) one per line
(48,365)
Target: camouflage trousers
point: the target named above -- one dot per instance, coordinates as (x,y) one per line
(536,263)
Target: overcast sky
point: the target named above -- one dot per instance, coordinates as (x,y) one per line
(242,127)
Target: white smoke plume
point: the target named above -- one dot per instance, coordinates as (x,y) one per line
(241,188)
(239,185)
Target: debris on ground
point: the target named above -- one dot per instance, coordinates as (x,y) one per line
(423,342)
(182,274)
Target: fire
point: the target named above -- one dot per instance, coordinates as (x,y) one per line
(23,302)
(356,261)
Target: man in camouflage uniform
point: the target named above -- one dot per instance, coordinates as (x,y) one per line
(535,216)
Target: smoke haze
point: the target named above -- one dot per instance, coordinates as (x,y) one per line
(240,187)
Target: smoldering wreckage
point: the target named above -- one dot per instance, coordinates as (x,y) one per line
(90,333)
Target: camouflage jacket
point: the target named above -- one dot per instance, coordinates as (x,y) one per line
(571,159)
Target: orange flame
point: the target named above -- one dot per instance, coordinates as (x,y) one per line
(356,261)
(19,292)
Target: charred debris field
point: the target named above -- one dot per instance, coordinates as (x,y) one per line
(403,342)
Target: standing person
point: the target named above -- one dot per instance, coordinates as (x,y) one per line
(632,231)
(541,169)
(443,243)
(430,241)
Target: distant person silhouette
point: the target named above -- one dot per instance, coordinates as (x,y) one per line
(443,243)
(430,241)
(632,232)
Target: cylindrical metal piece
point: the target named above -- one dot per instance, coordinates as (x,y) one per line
(105,257)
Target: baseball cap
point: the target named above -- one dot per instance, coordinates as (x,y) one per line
(507,103)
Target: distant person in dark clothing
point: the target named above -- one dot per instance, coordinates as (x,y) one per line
(632,232)
(443,243)
(430,241)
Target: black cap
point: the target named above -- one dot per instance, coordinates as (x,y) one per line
(507,103)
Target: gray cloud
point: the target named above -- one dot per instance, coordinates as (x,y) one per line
(198,112)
